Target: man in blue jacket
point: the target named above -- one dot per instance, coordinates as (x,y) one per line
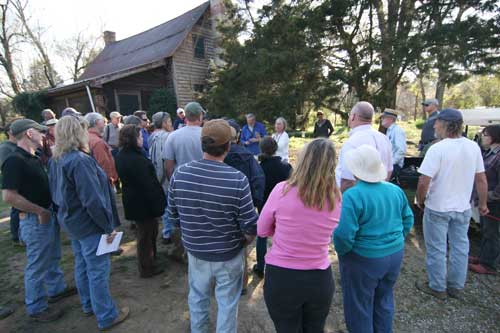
(251,134)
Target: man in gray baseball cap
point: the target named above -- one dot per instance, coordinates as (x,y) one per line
(427,137)
(25,186)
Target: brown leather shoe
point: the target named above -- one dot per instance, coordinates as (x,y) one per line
(122,315)
(47,315)
(424,287)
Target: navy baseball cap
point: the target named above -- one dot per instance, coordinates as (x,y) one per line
(450,115)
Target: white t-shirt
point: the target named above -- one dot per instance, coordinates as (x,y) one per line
(452,164)
(364,135)
(283,141)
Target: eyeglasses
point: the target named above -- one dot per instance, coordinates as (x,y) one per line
(425,104)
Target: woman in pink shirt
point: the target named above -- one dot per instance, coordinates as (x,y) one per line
(301,214)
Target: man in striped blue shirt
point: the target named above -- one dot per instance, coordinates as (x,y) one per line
(212,203)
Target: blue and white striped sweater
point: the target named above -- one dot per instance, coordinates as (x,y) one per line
(212,203)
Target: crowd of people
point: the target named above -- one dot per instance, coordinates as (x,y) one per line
(220,186)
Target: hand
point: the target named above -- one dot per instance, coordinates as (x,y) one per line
(483,210)
(44,216)
(111,237)
(246,143)
(257,135)
(254,140)
(420,205)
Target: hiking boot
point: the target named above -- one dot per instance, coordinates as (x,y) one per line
(454,293)
(122,315)
(69,291)
(47,315)
(481,269)
(258,272)
(424,287)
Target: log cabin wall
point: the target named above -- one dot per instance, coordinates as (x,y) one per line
(190,71)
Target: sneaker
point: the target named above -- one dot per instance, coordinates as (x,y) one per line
(473,260)
(258,272)
(454,293)
(166,241)
(424,287)
(47,315)
(481,269)
(88,314)
(122,315)
(69,291)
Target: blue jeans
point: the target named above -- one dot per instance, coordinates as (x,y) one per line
(261,249)
(439,227)
(42,275)
(167,226)
(14,224)
(92,280)
(228,277)
(367,285)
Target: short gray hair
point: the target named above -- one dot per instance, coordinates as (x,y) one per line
(92,118)
(364,110)
(250,115)
(283,121)
(158,119)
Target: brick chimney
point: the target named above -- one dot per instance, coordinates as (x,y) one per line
(217,15)
(109,37)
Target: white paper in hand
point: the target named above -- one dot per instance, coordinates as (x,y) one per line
(104,247)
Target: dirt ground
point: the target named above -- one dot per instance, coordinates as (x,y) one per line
(160,304)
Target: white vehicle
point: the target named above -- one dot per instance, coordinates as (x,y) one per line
(480,117)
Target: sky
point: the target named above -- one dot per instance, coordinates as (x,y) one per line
(63,18)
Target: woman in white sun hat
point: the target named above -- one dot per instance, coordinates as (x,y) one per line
(369,241)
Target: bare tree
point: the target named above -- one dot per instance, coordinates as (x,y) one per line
(8,35)
(34,36)
(78,51)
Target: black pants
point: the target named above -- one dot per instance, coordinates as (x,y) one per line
(147,232)
(298,301)
(490,238)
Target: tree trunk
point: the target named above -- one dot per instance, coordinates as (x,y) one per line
(422,91)
(441,86)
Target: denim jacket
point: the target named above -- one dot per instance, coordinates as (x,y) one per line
(81,191)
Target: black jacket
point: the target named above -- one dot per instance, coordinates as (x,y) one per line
(242,160)
(143,196)
(276,171)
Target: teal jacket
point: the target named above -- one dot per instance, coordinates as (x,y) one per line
(374,221)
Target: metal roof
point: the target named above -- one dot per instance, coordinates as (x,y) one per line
(146,47)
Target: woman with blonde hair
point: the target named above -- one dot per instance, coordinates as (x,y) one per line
(301,214)
(86,210)
(281,138)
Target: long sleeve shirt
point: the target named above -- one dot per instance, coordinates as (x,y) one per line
(283,141)
(397,137)
(247,133)
(427,135)
(301,235)
(102,153)
(85,199)
(375,220)
(212,203)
